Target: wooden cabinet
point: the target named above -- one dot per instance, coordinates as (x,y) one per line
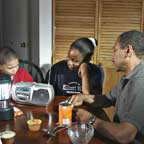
(102,19)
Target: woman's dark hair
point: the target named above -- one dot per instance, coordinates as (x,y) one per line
(7,54)
(85,46)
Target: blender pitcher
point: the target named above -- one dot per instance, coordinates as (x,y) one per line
(6,110)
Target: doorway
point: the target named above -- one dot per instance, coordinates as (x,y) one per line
(21,27)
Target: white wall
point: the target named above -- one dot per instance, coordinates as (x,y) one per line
(45,31)
(1,27)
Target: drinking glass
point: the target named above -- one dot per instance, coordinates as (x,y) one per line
(80,133)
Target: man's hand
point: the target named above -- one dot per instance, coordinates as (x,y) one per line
(83,115)
(78,100)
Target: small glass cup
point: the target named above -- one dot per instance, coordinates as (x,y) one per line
(7,137)
(34,124)
(80,133)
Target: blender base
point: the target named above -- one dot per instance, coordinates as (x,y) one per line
(7,113)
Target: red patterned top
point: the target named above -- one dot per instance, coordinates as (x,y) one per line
(22,76)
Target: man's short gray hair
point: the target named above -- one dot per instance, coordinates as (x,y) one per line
(135,39)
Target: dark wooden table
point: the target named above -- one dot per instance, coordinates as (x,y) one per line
(24,136)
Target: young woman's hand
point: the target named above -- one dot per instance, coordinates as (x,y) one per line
(78,100)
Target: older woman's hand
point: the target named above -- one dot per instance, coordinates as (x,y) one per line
(78,100)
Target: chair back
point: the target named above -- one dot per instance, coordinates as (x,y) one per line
(96,78)
(33,69)
(102,73)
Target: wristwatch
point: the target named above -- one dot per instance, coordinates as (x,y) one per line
(92,120)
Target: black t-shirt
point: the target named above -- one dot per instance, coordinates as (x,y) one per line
(66,82)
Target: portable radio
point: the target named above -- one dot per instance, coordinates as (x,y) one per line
(33,93)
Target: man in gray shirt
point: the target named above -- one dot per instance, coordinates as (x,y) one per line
(127,96)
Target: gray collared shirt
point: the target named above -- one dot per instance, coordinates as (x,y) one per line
(129,99)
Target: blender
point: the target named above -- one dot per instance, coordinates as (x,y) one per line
(6,110)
